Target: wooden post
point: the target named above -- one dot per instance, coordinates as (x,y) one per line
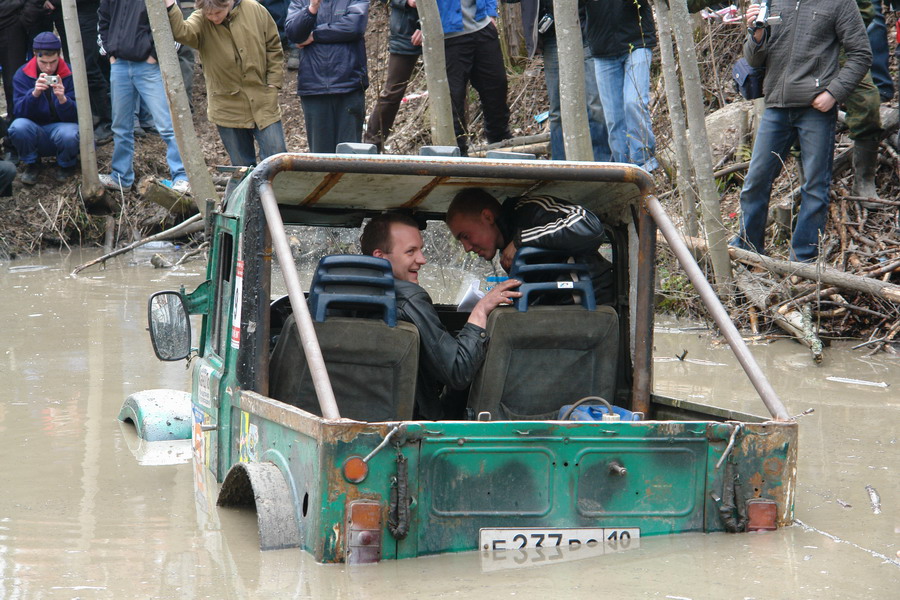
(702,158)
(576,133)
(440,110)
(189,146)
(90,178)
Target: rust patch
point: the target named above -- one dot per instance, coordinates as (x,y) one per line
(756,480)
(773,466)
(329,181)
(423,193)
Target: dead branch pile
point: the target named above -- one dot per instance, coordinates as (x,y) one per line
(859,241)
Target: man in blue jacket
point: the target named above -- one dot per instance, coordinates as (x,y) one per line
(332,78)
(46,120)
(473,54)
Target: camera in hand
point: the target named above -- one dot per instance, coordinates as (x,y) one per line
(51,79)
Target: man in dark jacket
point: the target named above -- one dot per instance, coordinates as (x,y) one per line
(622,35)
(46,120)
(473,54)
(13,44)
(484,226)
(444,360)
(134,73)
(405,47)
(332,78)
(804,84)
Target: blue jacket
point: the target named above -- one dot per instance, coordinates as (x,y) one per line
(335,63)
(451,13)
(44,109)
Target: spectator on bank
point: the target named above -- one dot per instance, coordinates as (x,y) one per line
(540,34)
(622,36)
(244,66)
(47,15)
(804,84)
(876,31)
(332,78)
(46,119)
(134,72)
(405,48)
(473,54)
(13,45)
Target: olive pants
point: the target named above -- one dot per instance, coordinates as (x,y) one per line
(863,118)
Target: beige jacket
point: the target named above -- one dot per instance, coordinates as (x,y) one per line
(242,63)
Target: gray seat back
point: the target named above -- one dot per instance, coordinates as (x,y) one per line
(372,368)
(540,360)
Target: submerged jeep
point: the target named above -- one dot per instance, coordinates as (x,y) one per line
(308,416)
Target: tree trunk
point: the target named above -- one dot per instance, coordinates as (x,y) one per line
(703,166)
(576,134)
(90,178)
(440,109)
(511,34)
(683,167)
(182,122)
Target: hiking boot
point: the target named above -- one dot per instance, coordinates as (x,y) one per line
(103,134)
(63,174)
(182,186)
(30,174)
(112,182)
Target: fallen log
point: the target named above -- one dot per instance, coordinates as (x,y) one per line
(156,191)
(192,225)
(508,144)
(538,149)
(826,275)
(796,322)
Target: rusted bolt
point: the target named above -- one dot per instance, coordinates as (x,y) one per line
(616,468)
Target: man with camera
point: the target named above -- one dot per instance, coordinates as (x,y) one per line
(799,45)
(46,120)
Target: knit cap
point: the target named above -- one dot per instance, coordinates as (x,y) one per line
(46,40)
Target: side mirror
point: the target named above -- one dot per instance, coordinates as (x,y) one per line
(170,326)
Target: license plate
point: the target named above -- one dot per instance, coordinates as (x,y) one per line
(512,538)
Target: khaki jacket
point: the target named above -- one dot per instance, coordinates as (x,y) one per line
(242,62)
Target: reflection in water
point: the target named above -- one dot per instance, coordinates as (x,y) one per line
(81,517)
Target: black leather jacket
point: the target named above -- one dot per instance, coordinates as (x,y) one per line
(404,22)
(444,360)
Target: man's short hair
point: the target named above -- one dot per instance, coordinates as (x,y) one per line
(376,234)
(470,202)
(207,5)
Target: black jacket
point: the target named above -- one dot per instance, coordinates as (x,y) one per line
(554,224)
(444,360)
(614,27)
(125,30)
(404,22)
(11,13)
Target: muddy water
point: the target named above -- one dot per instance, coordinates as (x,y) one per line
(86,511)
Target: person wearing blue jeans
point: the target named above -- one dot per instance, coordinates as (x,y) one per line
(596,121)
(134,73)
(804,84)
(877,33)
(621,36)
(778,129)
